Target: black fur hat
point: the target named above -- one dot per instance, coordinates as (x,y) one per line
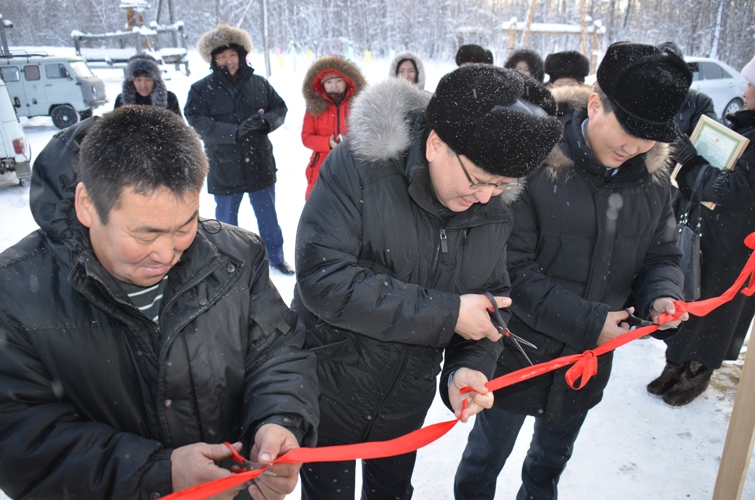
(646,87)
(533,60)
(569,64)
(501,120)
(473,54)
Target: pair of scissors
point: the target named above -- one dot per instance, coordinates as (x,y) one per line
(637,322)
(500,324)
(246,464)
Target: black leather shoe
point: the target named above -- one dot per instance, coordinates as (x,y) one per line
(668,378)
(284,268)
(689,387)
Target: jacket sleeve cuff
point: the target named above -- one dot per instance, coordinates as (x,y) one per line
(158,479)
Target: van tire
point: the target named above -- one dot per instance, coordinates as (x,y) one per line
(63,116)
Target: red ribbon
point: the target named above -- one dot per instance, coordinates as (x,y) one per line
(585,366)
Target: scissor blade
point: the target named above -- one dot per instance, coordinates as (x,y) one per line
(518,346)
(520,339)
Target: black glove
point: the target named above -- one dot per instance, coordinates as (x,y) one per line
(252,124)
(682,150)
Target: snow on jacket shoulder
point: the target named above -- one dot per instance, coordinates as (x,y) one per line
(79,363)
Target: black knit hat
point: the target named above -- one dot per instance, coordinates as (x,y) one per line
(533,60)
(569,64)
(501,120)
(473,54)
(646,87)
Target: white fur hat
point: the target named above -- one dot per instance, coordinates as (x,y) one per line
(748,72)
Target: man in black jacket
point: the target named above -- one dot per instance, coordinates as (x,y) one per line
(403,233)
(593,235)
(234,110)
(136,338)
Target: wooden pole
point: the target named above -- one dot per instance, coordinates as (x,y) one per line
(583,23)
(530,15)
(739,438)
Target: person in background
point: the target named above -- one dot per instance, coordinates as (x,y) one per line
(691,358)
(566,68)
(147,336)
(402,235)
(234,110)
(329,87)
(697,103)
(473,54)
(593,234)
(143,85)
(527,62)
(408,65)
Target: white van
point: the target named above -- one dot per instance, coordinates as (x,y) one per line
(14,149)
(63,88)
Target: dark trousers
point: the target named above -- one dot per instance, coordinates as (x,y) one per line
(263,204)
(382,478)
(490,444)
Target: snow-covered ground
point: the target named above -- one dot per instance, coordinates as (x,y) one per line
(632,446)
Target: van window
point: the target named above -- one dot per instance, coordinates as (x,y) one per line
(81,69)
(31,72)
(55,71)
(10,73)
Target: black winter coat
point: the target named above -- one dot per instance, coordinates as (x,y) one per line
(77,416)
(380,268)
(216,106)
(695,105)
(719,335)
(582,243)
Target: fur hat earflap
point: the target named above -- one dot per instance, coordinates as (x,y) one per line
(472,53)
(533,60)
(501,120)
(569,64)
(142,65)
(312,87)
(223,36)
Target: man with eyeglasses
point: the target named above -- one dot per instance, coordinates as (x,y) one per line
(400,239)
(593,235)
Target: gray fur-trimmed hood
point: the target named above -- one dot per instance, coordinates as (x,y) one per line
(573,98)
(222,35)
(144,65)
(378,127)
(407,54)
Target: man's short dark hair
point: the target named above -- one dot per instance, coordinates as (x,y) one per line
(607,105)
(141,147)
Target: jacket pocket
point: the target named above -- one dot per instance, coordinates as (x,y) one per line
(341,351)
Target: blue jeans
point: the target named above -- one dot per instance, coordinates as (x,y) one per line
(490,444)
(263,204)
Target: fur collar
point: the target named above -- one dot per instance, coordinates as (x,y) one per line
(379,130)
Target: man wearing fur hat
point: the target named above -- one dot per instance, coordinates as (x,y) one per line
(593,234)
(234,110)
(566,68)
(402,235)
(144,85)
(137,338)
(473,54)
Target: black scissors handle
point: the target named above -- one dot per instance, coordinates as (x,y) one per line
(495,314)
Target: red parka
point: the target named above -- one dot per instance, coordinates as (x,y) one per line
(323,118)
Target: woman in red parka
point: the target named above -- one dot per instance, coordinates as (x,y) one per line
(329,85)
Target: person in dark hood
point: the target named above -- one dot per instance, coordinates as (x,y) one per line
(234,110)
(143,84)
(329,87)
(566,68)
(141,337)
(527,62)
(473,54)
(400,238)
(406,64)
(692,359)
(594,234)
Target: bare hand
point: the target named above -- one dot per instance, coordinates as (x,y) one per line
(270,442)
(613,326)
(474,322)
(194,464)
(332,142)
(666,304)
(478,400)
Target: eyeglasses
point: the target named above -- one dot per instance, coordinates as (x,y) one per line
(481,184)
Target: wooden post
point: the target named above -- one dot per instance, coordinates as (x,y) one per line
(530,15)
(583,24)
(739,439)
